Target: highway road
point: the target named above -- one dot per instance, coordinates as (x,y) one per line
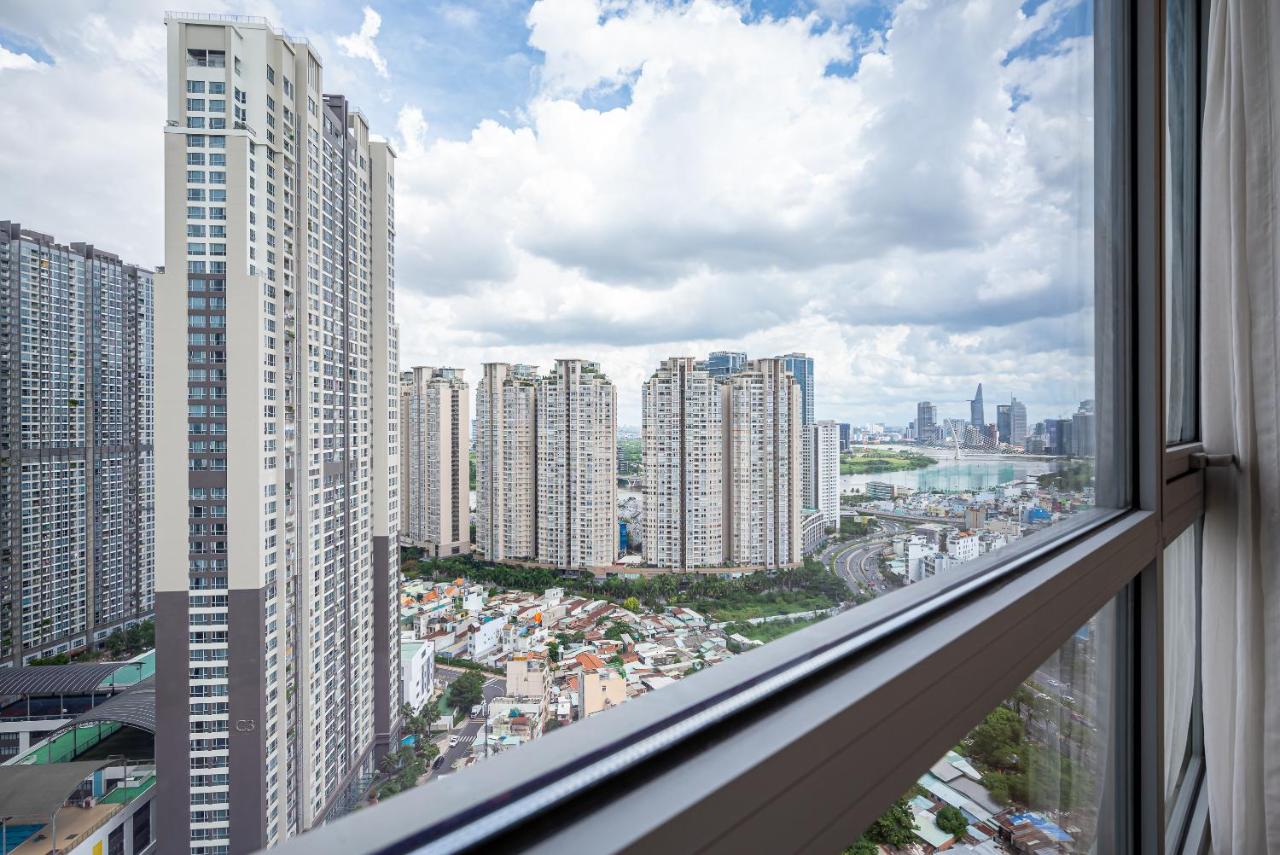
(856,561)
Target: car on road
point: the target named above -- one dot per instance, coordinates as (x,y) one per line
(439,761)
(453,740)
(476,710)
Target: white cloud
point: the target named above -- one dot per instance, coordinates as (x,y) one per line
(12,61)
(688,179)
(360,45)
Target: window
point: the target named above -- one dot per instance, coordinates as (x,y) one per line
(195,87)
(801,743)
(206,58)
(271,74)
(195,121)
(195,104)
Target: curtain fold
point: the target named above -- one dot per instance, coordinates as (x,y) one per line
(1241,589)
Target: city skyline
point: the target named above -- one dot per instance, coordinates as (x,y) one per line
(494,267)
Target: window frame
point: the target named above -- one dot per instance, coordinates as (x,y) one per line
(800,744)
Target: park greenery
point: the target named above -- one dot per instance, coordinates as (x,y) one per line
(808,587)
(466,691)
(895,827)
(121,644)
(952,821)
(400,770)
(865,461)
(770,630)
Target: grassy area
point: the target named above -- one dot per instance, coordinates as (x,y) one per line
(772,630)
(864,461)
(1072,477)
(777,592)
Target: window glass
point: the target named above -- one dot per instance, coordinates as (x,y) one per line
(1027,778)
(1181,222)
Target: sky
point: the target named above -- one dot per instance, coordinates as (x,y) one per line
(902,190)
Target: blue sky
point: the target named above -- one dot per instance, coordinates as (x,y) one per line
(904,190)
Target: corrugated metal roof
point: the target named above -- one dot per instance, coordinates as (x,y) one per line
(57,679)
(136,708)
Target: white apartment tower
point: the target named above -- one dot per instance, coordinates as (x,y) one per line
(763,440)
(683,453)
(577,488)
(506,462)
(77,505)
(278,666)
(435,493)
(824,446)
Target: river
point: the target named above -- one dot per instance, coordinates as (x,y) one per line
(977,473)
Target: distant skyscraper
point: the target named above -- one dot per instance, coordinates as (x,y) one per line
(1084,427)
(1058,436)
(926,421)
(506,462)
(763,445)
(846,436)
(683,437)
(801,368)
(1002,422)
(1017,422)
(722,363)
(77,418)
(278,654)
(977,412)
(577,428)
(825,448)
(435,427)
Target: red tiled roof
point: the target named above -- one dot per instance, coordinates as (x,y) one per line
(590,661)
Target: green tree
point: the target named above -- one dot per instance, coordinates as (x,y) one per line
(466,691)
(862,846)
(631,604)
(951,821)
(553,651)
(895,827)
(998,740)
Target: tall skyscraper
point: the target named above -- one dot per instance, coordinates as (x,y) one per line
(846,436)
(435,428)
(506,462)
(577,429)
(77,418)
(926,422)
(1084,427)
(1017,422)
(1002,421)
(825,448)
(683,452)
(722,363)
(277,510)
(977,412)
(763,452)
(801,368)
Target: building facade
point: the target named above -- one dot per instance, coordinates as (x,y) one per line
(824,447)
(763,453)
(577,488)
(722,363)
(1017,422)
(683,453)
(278,668)
(977,411)
(800,367)
(435,429)
(926,422)
(506,462)
(77,511)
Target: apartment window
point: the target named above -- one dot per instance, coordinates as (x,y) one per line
(218,141)
(195,104)
(1026,670)
(217,87)
(195,121)
(271,74)
(206,58)
(195,158)
(195,86)
(217,106)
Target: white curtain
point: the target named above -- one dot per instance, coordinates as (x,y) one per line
(1240,242)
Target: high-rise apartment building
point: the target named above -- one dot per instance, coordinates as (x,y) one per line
(824,446)
(977,411)
(1017,422)
(683,452)
(801,368)
(435,428)
(278,651)
(1084,427)
(1003,421)
(77,418)
(926,422)
(846,436)
(722,363)
(577,487)
(762,459)
(506,462)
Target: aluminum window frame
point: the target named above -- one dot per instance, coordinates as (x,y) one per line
(800,744)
